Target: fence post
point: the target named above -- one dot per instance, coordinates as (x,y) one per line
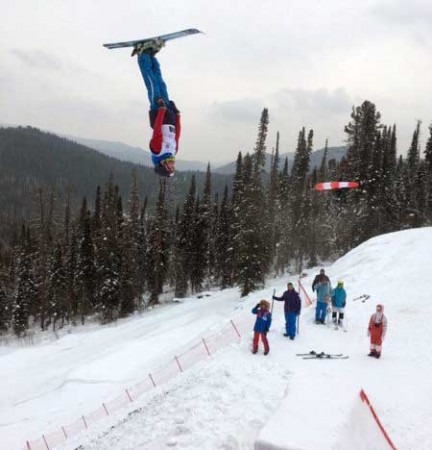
(205,345)
(46,443)
(178,363)
(129,396)
(235,328)
(105,408)
(365,399)
(151,378)
(64,432)
(28,445)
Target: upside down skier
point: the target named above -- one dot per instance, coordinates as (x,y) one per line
(164,115)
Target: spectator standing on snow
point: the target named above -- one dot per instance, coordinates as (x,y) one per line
(320,277)
(323,291)
(292,309)
(262,325)
(377,330)
(338,299)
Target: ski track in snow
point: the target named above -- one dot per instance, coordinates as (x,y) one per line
(229,400)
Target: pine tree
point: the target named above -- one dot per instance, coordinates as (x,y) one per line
(284,221)
(4,311)
(130,280)
(205,224)
(322,173)
(71,265)
(299,199)
(108,260)
(57,288)
(184,243)
(158,248)
(272,202)
(361,133)
(86,278)
(26,290)
(199,247)
(224,252)
(428,161)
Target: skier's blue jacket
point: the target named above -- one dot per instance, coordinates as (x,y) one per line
(338,297)
(292,301)
(322,289)
(263,320)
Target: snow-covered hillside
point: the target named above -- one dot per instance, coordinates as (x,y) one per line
(236,400)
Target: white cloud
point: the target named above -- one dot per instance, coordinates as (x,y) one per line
(307,61)
(243,110)
(38,59)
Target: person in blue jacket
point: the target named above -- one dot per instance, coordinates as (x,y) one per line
(262,325)
(292,309)
(338,299)
(323,291)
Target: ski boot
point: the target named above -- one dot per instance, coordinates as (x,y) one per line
(266,352)
(254,351)
(150,47)
(372,353)
(377,355)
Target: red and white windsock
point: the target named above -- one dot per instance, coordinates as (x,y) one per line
(336,185)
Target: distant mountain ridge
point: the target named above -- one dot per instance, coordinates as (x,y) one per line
(31,160)
(315,161)
(136,155)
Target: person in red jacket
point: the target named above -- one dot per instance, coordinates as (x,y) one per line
(377,330)
(164,115)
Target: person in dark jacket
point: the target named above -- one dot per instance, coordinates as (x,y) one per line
(292,308)
(262,325)
(320,278)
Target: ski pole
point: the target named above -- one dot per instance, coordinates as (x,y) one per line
(274,292)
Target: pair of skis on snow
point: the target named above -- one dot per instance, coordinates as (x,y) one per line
(361,298)
(322,355)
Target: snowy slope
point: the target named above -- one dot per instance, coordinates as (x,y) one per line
(235,398)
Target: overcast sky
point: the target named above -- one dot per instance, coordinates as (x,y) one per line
(308,61)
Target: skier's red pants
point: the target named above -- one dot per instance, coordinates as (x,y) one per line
(263,339)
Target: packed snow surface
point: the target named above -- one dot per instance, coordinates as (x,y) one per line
(236,400)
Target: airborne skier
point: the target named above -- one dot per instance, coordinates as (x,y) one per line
(164,115)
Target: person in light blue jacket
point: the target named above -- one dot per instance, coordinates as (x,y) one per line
(338,298)
(323,291)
